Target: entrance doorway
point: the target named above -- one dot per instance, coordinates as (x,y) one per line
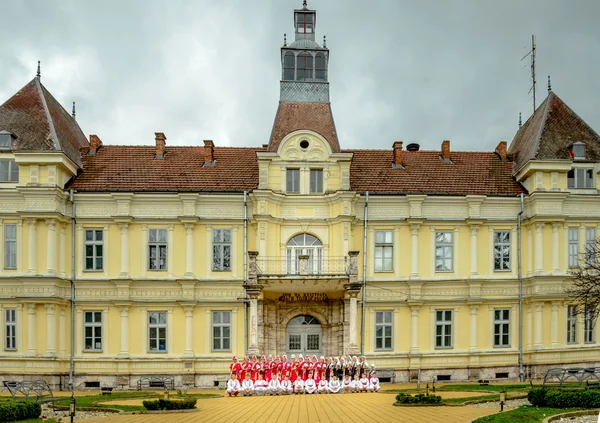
(304,336)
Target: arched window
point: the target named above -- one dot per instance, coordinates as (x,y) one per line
(304,67)
(320,67)
(288,66)
(304,244)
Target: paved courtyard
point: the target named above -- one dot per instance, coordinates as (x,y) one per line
(349,408)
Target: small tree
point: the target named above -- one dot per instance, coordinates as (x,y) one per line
(584,287)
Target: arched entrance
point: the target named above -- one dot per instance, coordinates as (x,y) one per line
(304,336)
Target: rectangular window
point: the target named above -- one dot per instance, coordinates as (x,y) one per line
(93,249)
(580,178)
(9,171)
(92,328)
(10,328)
(10,246)
(572,324)
(443,329)
(573,247)
(157,331)
(221,249)
(293,181)
(501,250)
(157,249)
(588,327)
(384,251)
(383,330)
(590,246)
(316,181)
(502,328)
(443,251)
(221,325)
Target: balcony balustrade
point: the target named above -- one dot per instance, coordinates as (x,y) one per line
(302,265)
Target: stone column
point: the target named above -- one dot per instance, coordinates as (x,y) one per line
(529,325)
(170,250)
(554,324)
(474,246)
(62,332)
(473,337)
(530,250)
(555,247)
(144,249)
(125,249)
(189,250)
(50,330)
(539,308)
(414,264)
(32,257)
(414,329)
(19,250)
(62,250)
(189,331)
(396,250)
(31,329)
(125,332)
(79,331)
(539,247)
(51,247)
(253,344)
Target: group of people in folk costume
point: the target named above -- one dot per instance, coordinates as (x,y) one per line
(301,375)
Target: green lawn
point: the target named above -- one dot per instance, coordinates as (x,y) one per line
(523,414)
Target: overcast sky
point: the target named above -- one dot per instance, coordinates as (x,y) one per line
(417,71)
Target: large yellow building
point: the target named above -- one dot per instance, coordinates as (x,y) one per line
(168,260)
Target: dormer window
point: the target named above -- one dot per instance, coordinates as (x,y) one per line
(577,150)
(304,23)
(6,140)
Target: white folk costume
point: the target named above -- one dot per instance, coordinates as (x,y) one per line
(299,386)
(353,385)
(374,384)
(363,384)
(334,386)
(233,387)
(323,386)
(247,387)
(310,386)
(346,384)
(274,386)
(260,387)
(286,386)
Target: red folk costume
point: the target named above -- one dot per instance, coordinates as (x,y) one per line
(287,367)
(269,367)
(246,367)
(235,367)
(305,368)
(255,370)
(294,369)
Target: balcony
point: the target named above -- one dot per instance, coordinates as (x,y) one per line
(302,266)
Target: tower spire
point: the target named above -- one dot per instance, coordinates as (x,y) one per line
(73,113)
(520,121)
(39,70)
(304,5)
(549,84)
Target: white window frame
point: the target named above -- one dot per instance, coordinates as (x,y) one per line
(10,246)
(93,324)
(94,243)
(500,252)
(160,243)
(222,247)
(573,247)
(10,329)
(316,181)
(12,171)
(588,328)
(580,179)
(220,325)
(156,327)
(444,247)
(502,327)
(571,324)
(384,319)
(384,251)
(292,184)
(590,246)
(446,326)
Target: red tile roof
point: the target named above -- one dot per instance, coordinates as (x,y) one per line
(133,169)
(548,132)
(470,173)
(315,117)
(41,123)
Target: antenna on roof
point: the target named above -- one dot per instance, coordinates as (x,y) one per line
(285,40)
(520,121)
(533,81)
(324,41)
(39,70)
(549,84)
(73,113)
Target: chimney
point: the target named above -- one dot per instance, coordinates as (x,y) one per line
(95,144)
(160,145)
(501,151)
(446,152)
(209,153)
(397,164)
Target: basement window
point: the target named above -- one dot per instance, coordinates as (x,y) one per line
(92,384)
(441,378)
(502,375)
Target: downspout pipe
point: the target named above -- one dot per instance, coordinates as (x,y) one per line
(520,275)
(72,350)
(245,270)
(364,287)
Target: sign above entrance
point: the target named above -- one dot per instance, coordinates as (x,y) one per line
(307,297)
